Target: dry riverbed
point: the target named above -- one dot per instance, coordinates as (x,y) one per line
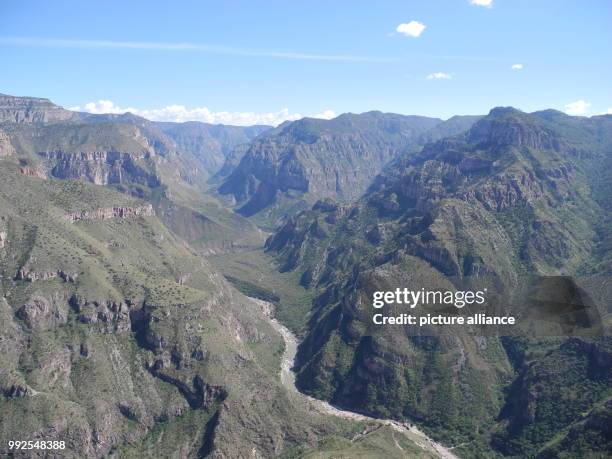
(288,380)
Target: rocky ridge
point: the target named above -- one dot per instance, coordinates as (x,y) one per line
(105,213)
(517,193)
(31,110)
(319,158)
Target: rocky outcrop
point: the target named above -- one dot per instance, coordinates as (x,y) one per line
(102,167)
(35,171)
(318,158)
(6,149)
(508,191)
(201,396)
(93,156)
(40,313)
(107,315)
(26,273)
(32,110)
(507,126)
(107,213)
(16,391)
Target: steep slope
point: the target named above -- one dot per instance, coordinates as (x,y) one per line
(201,147)
(115,335)
(232,160)
(31,110)
(102,153)
(134,156)
(209,144)
(518,194)
(311,158)
(453,126)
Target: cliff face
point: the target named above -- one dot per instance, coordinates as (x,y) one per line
(6,149)
(106,213)
(517,193)
(34,126)
(318,158)
(101,153)
(102,167)
(209,144)
(476,186)
(168,163)
(31,110)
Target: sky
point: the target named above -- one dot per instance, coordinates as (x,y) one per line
(263,62)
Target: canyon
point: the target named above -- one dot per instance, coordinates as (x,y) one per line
(208,284)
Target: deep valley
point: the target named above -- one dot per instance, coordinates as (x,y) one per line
(205,290)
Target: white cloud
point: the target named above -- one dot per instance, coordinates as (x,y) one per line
(609,112)
(485,3)
(326,115)
(180,113)
(439,76)
(411,29)
(517,67)
(104,106)
(580,107)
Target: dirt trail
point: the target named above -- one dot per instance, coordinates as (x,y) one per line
(288,380)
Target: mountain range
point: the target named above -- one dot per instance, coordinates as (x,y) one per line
(300,162)
(131,251)
(517,194)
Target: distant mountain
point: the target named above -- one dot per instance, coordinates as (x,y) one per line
(31,110)
(209,144)
(452,126)
(310,159)
(232,160)
(167,163)
(517,194)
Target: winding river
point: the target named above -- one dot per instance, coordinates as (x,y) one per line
(288,380)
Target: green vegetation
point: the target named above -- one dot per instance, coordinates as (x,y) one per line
(517,195)
(118,331)
(256,274)
(129,334)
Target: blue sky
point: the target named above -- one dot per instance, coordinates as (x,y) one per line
(255,61)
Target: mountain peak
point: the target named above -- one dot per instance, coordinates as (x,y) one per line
(505,126)
(31,110)
(504,111)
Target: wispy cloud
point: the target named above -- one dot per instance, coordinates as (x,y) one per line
(517,67)
(580,107)
(485,3)
(412,29)
(224,50)
(184,47)
(439,76)
(180,113)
